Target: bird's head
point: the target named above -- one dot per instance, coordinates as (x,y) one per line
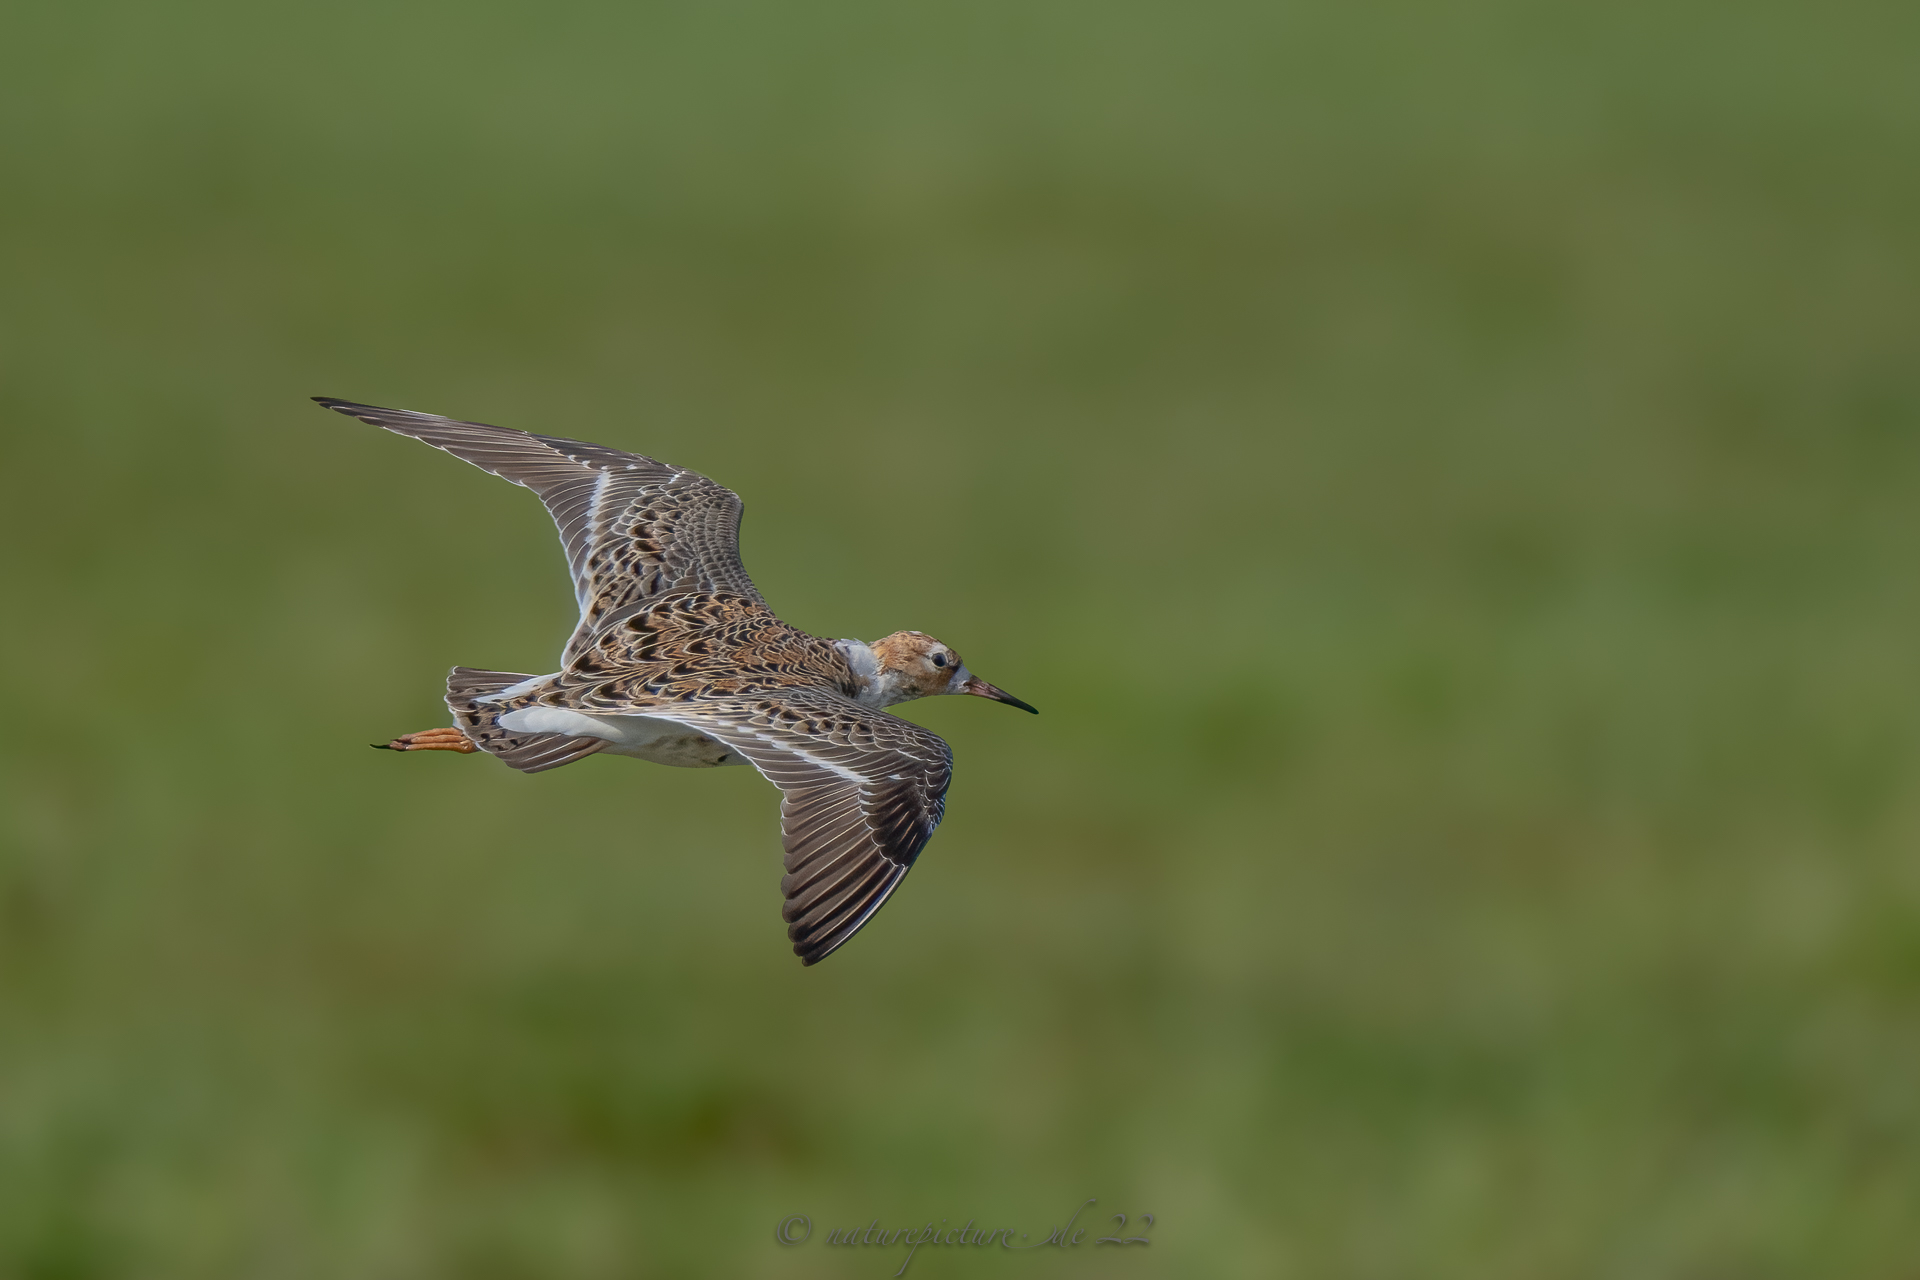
(913,665)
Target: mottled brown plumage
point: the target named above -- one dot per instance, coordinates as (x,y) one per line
(678,660)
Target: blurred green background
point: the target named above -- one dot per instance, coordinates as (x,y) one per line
(1449,475)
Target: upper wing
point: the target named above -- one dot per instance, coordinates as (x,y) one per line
(632,527)
(861,790)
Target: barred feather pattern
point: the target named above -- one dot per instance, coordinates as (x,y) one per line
(862,792)
(632,526)
(480,721)
(672,627)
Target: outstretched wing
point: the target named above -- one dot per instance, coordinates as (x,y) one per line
(861,791)
(632,527)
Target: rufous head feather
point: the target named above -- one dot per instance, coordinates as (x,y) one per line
(915,665)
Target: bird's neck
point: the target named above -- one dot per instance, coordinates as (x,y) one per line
(874,685)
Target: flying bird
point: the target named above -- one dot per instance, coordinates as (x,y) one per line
(676,659)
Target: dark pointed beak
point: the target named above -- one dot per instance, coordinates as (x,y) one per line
(981,689)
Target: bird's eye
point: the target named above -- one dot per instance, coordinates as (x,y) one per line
(939,659)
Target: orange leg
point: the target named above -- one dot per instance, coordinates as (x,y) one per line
(430,740)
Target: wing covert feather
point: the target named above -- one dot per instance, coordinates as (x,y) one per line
(861,794)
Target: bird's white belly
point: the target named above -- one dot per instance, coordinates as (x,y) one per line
(647,737)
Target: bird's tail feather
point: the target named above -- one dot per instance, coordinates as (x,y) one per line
(480,721)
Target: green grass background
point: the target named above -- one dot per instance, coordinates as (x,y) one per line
(1449,475)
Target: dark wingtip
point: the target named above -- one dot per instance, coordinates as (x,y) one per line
(352,408)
